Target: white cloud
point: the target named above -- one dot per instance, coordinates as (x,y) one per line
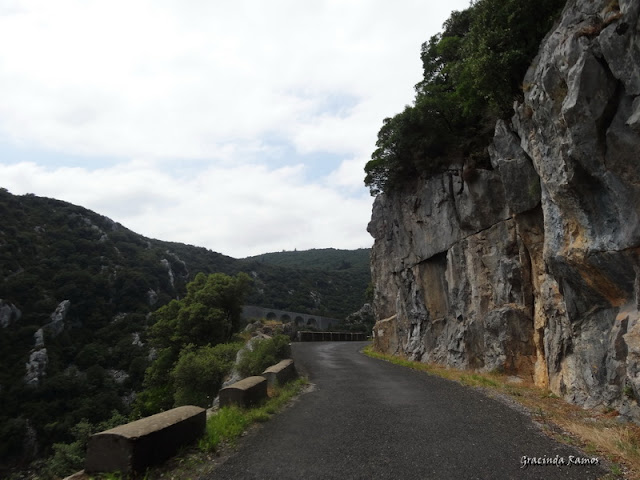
(209,85)
(182,79)
(239,211)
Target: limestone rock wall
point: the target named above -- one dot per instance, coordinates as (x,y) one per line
(533,267)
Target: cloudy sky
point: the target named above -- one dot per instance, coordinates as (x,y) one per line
(242,126)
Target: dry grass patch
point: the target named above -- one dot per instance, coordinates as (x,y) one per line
(598,433)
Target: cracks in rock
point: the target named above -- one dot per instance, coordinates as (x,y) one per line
(608,115)
(461,239)
(531,294)
(486,228)
(632,249)
(452,195)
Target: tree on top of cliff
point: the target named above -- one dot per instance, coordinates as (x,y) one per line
(472,74)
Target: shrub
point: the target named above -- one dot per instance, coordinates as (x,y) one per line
(198,374)
(69,457)
(266,352)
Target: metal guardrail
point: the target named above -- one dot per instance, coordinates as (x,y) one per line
(308,336)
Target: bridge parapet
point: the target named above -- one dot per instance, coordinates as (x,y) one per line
(299,319)
(308,336)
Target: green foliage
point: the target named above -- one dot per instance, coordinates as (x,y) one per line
(153,399)
(318,259)
(9,431)
(228,424)
(90,355)
(628,392)
(369,292)
(208,315)
(199,373)
(472,75)
(265,352)
(189,334)
(338,277)
(68,458)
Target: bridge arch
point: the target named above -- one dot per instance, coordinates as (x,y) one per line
(284,318)
(299,321)
(312,322)
(271,316)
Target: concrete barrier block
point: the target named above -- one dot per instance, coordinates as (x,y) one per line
(281,373)
(137,445)
(244,393)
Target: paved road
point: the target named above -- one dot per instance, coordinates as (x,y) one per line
(369,419)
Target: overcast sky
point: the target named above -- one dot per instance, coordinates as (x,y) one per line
(242,126)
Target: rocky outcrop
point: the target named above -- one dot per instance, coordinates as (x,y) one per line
(36,367)
(152,297)
(55,326)
(363,317)
(9,314)
(167,265)
(533,267)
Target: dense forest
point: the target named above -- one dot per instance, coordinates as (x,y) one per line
(349,267)
(473,72)
(356,261)
(77,291)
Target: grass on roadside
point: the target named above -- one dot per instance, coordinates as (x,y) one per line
(597,433)
(230,422)
(222,429)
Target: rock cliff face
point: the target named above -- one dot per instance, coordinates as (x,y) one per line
(533,267)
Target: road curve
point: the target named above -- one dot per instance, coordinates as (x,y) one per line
(369,419)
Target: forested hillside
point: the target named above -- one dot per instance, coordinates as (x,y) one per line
(319,258)
(349,267)
(76,291)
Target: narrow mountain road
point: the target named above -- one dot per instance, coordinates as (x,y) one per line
(369,419)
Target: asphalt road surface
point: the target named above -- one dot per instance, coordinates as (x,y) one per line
(369,419)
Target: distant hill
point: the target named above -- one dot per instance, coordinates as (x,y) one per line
(320,259)
(343,274)
(91,361)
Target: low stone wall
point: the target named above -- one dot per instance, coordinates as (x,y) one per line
(137,445)
(133,447)
(280,373)
(307,336)
(247,392)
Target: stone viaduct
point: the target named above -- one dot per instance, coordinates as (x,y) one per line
(300,319)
